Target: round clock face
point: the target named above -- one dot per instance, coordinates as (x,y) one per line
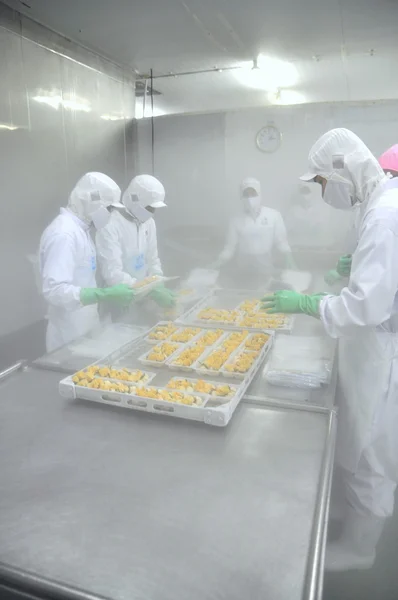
(268,139)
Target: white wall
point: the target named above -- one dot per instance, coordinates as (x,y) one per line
(202,159)
(45,149)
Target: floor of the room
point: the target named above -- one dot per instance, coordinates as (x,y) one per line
(378,583)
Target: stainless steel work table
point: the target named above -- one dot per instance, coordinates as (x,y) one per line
(134,506)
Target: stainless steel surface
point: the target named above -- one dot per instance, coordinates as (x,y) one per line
(133,506)
(325,396)
(90,348)
(56,100)
(7,372)
(22,581)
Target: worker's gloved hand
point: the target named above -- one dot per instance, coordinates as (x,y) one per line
(163,296)
(332,277)
(287,301)
(344,265)
(289,262)
(120,294)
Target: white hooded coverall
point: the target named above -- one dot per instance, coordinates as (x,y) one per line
(254,237)
(365,319)
(68,261)
(127,249)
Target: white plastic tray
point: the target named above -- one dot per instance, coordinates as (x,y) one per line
(189,318)
(160,324)
(153,363)
(169,362)
(215,411)
(212,394)
(198,364)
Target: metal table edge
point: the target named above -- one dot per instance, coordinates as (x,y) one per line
(22,581)
(313,585)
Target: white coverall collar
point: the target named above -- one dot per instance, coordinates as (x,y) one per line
(69,213)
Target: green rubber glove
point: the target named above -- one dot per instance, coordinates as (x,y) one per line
(289,262)
(344,265)
(287,301)
(332,277)
(120,294)
(163,296)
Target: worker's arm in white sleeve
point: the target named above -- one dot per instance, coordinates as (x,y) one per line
(57,265)
(369,297)
(110,256)
(152,259)
(230,245)
(280,237)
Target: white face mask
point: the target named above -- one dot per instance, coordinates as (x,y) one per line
(100,217)
(139,212)
(253,204)
(339,194)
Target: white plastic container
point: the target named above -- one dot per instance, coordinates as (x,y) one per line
(214,395)
(143,359)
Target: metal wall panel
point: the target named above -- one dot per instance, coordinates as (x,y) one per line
(63,111)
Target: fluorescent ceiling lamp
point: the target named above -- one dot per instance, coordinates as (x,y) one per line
(267,73)
(115,117)
(8,127)
(56,101)
(286,97)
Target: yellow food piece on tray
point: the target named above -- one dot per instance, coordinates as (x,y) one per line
(144,282)
(180,384)
(216,359)
(185,335)
(223,390)
(187,357)
(257,341)
(201,387)
(220,315)
(162,352)
(168,396)
(261,320)
(162,332)
(249,305)
(210,337)
(92,374)
(234,339)
(242,362)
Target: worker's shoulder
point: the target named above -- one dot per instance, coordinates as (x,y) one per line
(385,212)
(60,228)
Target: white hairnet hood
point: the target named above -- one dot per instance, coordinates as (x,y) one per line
(340,152)
(91,191)
(251,183)
(145,189)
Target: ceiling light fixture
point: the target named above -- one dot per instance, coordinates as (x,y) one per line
(266,73)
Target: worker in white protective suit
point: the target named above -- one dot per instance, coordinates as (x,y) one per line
(253,237)
(389,163)
(67,259)
(127,247)
(364,317)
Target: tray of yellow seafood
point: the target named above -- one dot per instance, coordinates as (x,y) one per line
(159,354)
(227,310)
(253,348)
(121,379)
(98,381)
(222,391)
